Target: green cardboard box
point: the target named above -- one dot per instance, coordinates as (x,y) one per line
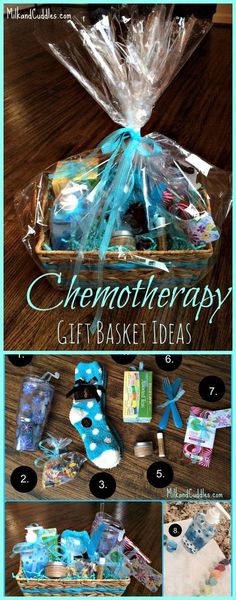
(137,397)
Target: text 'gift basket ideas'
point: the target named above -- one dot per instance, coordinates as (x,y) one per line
(136,206)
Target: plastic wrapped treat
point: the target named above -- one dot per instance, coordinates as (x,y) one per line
(135,206)
(58,467)
(74,544)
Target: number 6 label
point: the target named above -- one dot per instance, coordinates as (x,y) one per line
(168,362)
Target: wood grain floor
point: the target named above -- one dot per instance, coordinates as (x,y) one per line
(142,522)
(130,474)
(48,117)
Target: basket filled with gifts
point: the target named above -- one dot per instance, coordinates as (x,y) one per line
(78,563)
(137,205)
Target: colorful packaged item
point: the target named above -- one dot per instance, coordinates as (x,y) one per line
(49,538)
(220,418)
(84,568)
(200,433)
(116,563)
(199,440)
(170,202)
(58,467)
(144,573)
(137,397)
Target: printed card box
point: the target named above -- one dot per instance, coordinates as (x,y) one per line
(137,397)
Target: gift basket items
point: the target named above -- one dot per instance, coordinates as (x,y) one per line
(58,466)
(79,563)
(103,447)
(58,463)
(136,203)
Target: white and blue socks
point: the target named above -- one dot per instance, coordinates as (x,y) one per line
(88,418)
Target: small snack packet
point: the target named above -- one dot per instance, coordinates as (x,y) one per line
(116,564)
(58,468)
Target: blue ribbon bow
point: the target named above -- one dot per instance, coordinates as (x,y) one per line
(55,446)
(111,194)
(174,391)
(202,427)
(22,547)
(114,191)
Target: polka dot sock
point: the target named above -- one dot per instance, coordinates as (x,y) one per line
(88,418)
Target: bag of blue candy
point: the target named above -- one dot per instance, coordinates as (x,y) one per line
(135,206)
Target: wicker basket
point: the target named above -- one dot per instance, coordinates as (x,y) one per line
(186,266)
(71,587)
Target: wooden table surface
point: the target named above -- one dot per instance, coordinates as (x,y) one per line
(143,526)
(48,117)
(130,474)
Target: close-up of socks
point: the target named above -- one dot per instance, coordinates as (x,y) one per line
(88,416)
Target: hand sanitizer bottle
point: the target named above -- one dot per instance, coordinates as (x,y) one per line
(34,554)
(203,528)
(67,214)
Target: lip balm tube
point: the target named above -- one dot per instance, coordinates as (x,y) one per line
(100,567)
(161,226)
(161,447)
